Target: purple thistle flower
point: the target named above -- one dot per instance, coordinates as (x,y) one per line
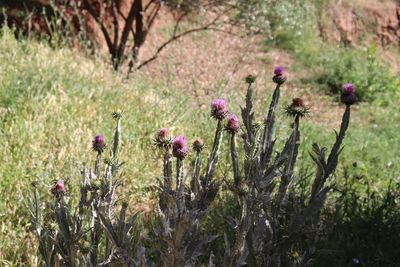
(180,147)
(233,124)
(349,89)
(219,109)
(99,143)
(198,145)
(279,70)
(59,188)
(280,75)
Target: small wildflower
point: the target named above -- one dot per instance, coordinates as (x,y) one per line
(280,75)
(59,188)
(180,147)
(198,145)
(99,143)
(219,109)
(233,124)
(250,79)
(163,138)
(297,108)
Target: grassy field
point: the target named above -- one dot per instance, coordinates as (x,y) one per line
(53,101)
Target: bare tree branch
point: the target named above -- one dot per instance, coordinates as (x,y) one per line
(175,37)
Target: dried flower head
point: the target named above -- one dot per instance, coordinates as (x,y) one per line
(163,138)
(198,145)
(180,147)
(59,188)
(219,109)
(280,75)
(99,143)
(233,124)
(297,108)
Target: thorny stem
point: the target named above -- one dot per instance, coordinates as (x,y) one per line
(247,114)
(213,159)
(269,125)
(180,186)
(167,169)
(333,156)
(235,161)
(288,172)
(196,174)
(97,165)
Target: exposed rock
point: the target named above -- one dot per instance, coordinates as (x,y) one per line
(353,24)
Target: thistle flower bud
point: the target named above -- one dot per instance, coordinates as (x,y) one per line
(280,75)
(198,145)
(99,143)
(163,138)
(348,94)
(84,246)
(297,108)
(180,147)
(348,99)
(233,124)
(250,79)
(219,109)
(59,188)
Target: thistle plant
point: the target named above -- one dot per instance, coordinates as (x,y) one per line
(183,208)
(265,230)
(90,233)
(269,223)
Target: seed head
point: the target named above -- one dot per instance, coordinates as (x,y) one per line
(297,108)
(198,145)
(99,143)
(180,147)
(219,109)
(233,124)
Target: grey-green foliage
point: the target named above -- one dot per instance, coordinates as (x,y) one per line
(265,229)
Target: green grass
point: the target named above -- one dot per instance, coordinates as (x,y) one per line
(53,101)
